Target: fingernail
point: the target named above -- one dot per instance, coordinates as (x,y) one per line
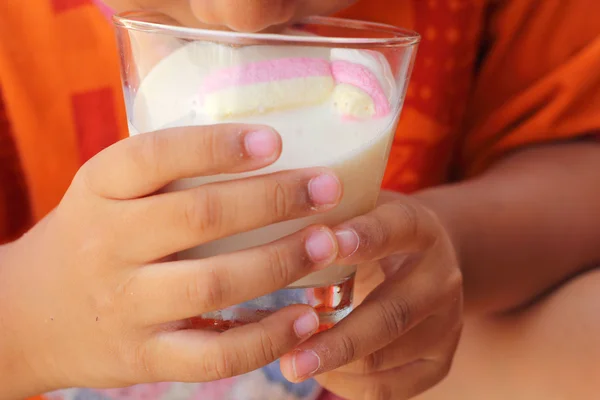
(348,242)
(324,190)
(262,143)
(305,363)
(306,325)
(320,246)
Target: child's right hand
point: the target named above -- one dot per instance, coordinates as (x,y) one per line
(85,301)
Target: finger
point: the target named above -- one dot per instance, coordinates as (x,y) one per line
(398,226)
(399,384)
(145,163)
(169,292)
(200,356)
(184,219)
(434,336)
(390,311)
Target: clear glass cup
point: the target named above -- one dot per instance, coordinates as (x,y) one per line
(332,88)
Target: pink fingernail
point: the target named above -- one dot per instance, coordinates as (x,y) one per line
(348,242)
(261,144)
(324,190)
(306,325)
(305,363)
(320,246)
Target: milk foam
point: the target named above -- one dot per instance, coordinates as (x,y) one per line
(312,136)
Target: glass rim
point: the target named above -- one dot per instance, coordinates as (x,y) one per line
(399,37)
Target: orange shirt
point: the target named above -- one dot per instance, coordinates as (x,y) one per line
(491,76)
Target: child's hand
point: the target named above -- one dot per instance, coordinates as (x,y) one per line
(247,15)
(85,301)
(401,339)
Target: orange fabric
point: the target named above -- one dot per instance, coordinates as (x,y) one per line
(441,82)
(538,80)
(59,76)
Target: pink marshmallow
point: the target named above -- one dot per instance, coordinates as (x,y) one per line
(361,77)
(266,71)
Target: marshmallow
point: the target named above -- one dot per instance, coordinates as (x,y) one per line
(266,86)
(364,83)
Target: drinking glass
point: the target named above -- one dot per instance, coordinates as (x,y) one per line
(333,89)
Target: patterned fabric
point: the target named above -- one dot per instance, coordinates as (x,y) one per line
(490,77)
(265,384)
(61,89)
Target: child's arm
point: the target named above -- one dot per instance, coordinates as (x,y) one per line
(539,89)
(525,226)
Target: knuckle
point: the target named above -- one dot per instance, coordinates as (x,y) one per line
(141,363)
(396,316)
(203,212)
(378,391)
(209,149)
(218,365)
(413,224)
(440,372)
(448,352)
(279,265)
(456,279)
(96,243)
(444,369)
(348,350)
(451,286)
(207,291)
(88,183)
(378,232)
(268,349)
(85,179)
(410,217)
(145,154)
(91,176)
(279,195)
(106,303)
(372,363)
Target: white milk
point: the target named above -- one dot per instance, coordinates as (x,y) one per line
(312,136)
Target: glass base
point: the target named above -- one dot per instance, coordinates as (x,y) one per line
(332,303)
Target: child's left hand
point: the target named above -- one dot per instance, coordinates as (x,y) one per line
(401,339)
